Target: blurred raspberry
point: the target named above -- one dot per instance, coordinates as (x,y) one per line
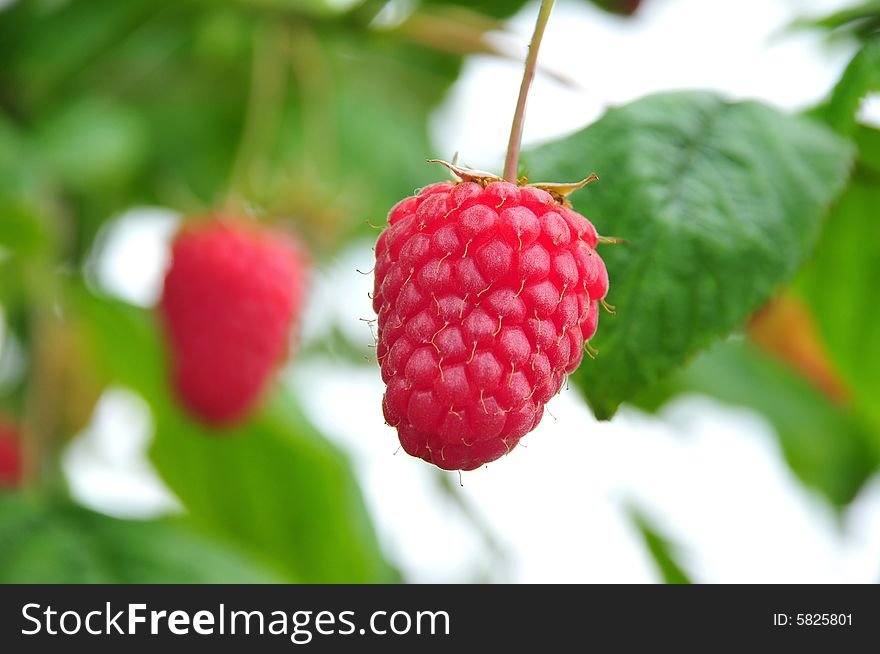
(485,297)
(232,295)
(10,455)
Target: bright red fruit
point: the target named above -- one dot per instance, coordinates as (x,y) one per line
(486,294)
(10,456)
(232,295)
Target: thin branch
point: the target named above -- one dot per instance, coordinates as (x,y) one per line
(516,129)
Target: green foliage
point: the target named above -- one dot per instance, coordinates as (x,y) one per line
(277,487)
(314,113)
(660,550)
(868,142)
(841,281)
(21,229)
(828,446)
(506,8)
(494,8)
(294,109)
(831,442)
(861,20)
(45,541)
(841,286)
(112,135)
(861,77)
(273,486)
(188,106)
(624,7)
(720,202)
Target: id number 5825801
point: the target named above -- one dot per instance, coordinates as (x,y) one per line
(823,619)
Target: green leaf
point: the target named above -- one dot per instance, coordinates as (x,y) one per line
(18,171)
(43,541)
(494,8)
(352,145)
(507,8)
(861,77)
(623,7)
(662,552)
(720,202)
(862,20)
(123,342)
(277,487)
(21,228)
(273,486)
(828,446)
(868,141)
(92,144)
(301,8)
(295,110)
(840,285)
(45,46)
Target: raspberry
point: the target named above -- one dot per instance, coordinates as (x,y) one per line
(10,456)
(232,293)
(486,294)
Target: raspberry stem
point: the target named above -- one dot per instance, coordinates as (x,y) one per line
(262,112)
(516,129)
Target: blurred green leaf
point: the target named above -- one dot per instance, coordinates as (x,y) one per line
(19,176)
(351,145)
(44,46)
(720,202)
(507,8)
(840,285)
(277,486)
(273,486)
(92,144)
(662,552)
(494,8)
(21,228)
(53,541)
(857,11)
(124,103)
(123,342)
(624,7)
(293,110)
(861,77)
(827,446)
(861,19)
(868,141)
(318,8)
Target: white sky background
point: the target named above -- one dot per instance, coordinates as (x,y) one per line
(733,46)
(710,477)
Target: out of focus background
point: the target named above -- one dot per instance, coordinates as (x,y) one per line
(741,381)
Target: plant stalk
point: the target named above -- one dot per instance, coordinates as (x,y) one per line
(516,129)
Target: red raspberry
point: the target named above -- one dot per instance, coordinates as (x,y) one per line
(231,296)
(10,456)
(485,297)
